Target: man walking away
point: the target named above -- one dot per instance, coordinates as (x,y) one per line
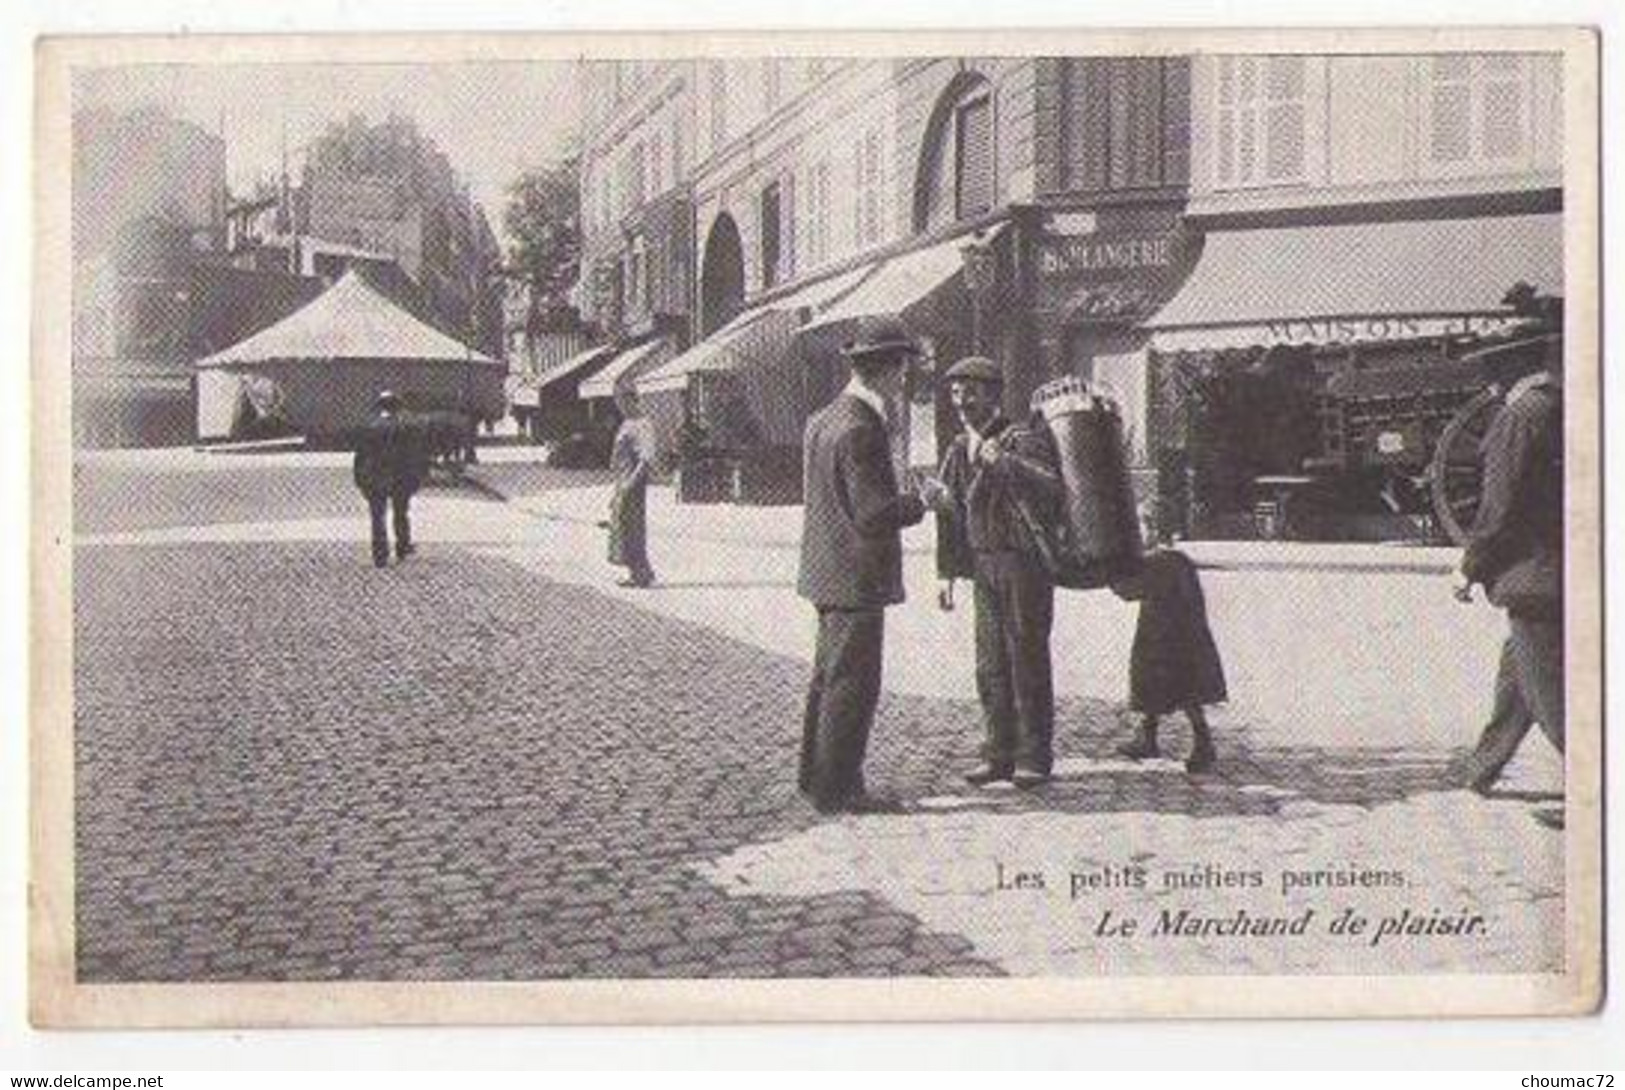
(1002,482)
(1516,552)
(390,462)
(852,563)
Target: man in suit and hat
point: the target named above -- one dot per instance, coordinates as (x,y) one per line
(1003,481)
(391,459)
(852,562)
(1515,550)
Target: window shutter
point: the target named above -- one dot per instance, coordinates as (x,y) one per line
(974,188)
(1226,135)
(1145,130)
(787,217)
(1284,118)
(1119,146)
(1450,140)
(1095,146)
(1502,117)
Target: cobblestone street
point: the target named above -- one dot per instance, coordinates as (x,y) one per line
(473,766)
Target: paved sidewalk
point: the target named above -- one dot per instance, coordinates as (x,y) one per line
(1372,657)
(611,790)
(780,528)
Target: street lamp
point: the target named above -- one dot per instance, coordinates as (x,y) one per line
(981,270)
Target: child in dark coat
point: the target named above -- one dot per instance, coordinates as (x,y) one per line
(1174,665)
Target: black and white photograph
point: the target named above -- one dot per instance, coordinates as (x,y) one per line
(707,528)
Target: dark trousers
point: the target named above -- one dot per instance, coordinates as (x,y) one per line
(1528,690)
(399,504)
(841,703)
(1015,610)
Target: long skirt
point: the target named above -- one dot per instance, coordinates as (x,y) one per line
(1175,662)
(629,526)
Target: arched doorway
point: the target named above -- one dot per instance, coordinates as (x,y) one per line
(722,276)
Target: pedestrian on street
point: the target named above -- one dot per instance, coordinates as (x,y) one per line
(1515,550)
(1174,663)
(632,458)
(1001,480)
(391,459)
(852,563)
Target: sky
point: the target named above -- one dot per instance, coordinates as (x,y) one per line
(492,119)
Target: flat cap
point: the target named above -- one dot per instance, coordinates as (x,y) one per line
(975,369)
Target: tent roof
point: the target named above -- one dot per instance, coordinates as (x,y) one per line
(350,320)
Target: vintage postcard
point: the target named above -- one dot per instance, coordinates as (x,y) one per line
(629,528)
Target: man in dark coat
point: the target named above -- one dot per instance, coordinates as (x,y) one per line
(852,563)
(1003,481)
(391,459)
(1515,551)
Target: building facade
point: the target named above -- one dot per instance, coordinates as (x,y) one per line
(1024,208)
(149,198)
(1361,220)
(1211,239)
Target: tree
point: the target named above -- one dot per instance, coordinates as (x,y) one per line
(393,148)
(543,222)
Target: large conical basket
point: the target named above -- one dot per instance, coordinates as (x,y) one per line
(1100,540)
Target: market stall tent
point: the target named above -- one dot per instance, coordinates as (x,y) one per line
(319,370)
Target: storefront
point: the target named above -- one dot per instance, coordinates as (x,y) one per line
(549,404)
(1302,377)
(737,403)
(1099,274)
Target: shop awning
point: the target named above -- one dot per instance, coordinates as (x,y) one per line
(898,284)
(625,368)
(762,334)
(574,367)
(1356,282)
(753,336)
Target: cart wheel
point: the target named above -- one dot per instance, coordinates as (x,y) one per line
(1455,479)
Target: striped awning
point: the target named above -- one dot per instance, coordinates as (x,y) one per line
(622,371)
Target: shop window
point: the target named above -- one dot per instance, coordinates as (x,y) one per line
(1262,121)
(1477,112)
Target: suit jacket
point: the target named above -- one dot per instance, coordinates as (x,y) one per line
(391,456)
(985,517)
(851,541)
(1516,546)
